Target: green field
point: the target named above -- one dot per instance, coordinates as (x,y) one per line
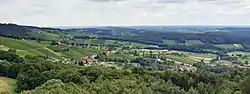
(121,56)
(193,42)
(21,44)
(89,41)
(230,46)
(75,52)
(197,54)
(43,48)
(181,59)
(170,42)
(7,85)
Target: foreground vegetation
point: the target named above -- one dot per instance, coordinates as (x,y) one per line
(37,75)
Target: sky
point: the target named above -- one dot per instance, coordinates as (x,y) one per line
(125,12)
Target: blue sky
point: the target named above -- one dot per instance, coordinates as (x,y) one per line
(125,12)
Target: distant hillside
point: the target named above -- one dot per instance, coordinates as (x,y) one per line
(13,30)
(207,35)
(30,32)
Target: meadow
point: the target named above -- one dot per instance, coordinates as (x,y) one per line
(230,46)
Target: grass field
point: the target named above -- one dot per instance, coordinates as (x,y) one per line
(230,46)
(74,52)
(197,54)
(170,42)
(181,59)
(193,42)
(58,47)
(29,47)
(7,85)
(21,44)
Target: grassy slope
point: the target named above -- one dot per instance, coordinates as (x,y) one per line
(230,46)
(7,85)
(170,42)
(193,42)
(181,59)
(26,47)
(74,52)
(21,44)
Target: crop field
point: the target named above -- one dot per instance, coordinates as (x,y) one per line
(230,46)
(181,59)
(7,85)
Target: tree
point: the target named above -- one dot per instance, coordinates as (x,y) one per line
(54,42)
(246,62)
(54,86)
(245,85)
(12,50)
(4,68)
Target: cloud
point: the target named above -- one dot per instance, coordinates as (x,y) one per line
(106,0)
(124,12)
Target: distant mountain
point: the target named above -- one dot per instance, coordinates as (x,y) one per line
(175,28)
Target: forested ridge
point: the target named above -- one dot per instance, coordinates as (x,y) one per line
(228,35)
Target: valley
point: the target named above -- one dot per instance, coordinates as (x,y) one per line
(87,58)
